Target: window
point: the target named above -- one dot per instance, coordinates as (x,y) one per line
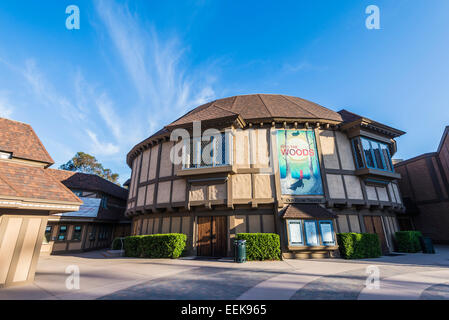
(78,193)
(47,236)
(207,152)
(311,233)
(305,232)
(327,233)
(372,154)
(77,233)
(295,232)
(62,233)
(5,155)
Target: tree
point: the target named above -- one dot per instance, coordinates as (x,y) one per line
(83,162)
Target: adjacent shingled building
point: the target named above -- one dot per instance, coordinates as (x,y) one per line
(28,195)
(99,220)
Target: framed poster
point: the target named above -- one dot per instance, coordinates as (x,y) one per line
(311,233)
(299,167)
(327,233)
(295,232)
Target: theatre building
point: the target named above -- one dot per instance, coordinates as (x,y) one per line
(266,163)
(425,189)
(28,196)
(98,221)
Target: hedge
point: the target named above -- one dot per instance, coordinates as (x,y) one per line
(359,245)
(170,245)
(261,246)
(408,241)
(132,246)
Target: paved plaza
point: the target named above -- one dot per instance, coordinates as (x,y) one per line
(405,276)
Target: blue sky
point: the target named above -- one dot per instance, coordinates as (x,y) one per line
(135,66)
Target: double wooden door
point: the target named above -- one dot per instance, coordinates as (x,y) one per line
(212,236)
(373,224)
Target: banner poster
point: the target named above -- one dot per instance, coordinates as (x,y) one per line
(298,163)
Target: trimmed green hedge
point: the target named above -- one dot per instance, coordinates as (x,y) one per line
(408,241)
(132,246)
(359,245)
(170,245)
(261,246)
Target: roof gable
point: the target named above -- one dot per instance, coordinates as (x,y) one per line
(91,182)
(21,140)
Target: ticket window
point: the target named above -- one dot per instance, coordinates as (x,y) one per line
(310,232)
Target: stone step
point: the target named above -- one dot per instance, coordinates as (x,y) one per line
(113,253)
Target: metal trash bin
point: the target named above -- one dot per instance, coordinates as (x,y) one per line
(240,251)
(427,245)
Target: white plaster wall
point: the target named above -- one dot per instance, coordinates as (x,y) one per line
(335,185)
(328,149)
(371,193)
(353,187)
(345,150)
(382,192)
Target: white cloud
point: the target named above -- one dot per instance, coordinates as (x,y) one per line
(6,109)
(157,68)
(101,148)
(302,66)
(48,95)
(107,112)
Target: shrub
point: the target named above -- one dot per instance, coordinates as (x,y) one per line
(117,243)
(132,246)
(359,245)
(169,245)
(408,241)
(261,246)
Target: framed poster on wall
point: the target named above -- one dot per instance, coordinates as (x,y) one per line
(327,233)
(311,233)
(295,233)
(298,163)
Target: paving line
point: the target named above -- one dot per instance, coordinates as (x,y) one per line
(284,286)
(408,286)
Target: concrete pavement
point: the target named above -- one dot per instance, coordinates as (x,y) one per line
(410,276)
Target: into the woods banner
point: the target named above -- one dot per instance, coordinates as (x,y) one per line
(298,163)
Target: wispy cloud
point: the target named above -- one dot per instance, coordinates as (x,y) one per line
(102,148)
(6,109)
(48,95)
(156,67)
(301,66)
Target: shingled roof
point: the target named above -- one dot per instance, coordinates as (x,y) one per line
(20,139)
(32,182)
(259,107)
(307,211)
(90,182)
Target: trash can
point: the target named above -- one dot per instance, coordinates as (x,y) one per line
(427,245)
(240,251)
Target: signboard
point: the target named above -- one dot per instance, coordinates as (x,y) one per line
(295,232)
(298,163)
(311,233)
(326,232)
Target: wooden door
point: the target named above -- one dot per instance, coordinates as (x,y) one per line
(204,236)
(373,224)
(212,236)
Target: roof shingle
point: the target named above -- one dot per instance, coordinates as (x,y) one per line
(24,181)
(258,107)
(90,182)
(21,140)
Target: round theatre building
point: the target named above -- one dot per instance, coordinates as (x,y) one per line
(266,163)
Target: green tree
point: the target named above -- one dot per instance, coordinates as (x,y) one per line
(83,162)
